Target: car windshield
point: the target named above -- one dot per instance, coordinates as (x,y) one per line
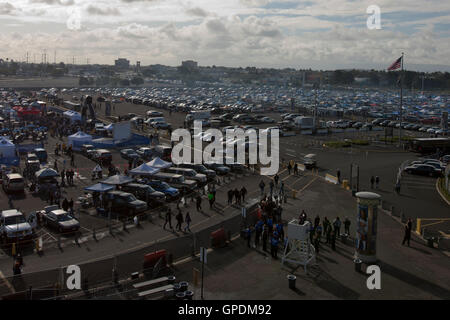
(130,198)
(14,220)
(64,217)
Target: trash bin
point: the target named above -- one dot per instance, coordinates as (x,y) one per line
(358,264)
(344,238)
(291,279)
(176,287)
(171,279)
(189,294)
(184,286)
(180,295)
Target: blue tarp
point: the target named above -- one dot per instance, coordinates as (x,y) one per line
(144,170)
(99,187)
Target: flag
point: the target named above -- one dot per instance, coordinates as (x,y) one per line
(396,65)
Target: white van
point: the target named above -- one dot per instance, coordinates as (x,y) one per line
(14,182)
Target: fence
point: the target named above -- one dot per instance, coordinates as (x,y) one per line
(98,273)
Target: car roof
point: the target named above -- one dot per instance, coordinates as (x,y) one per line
(11,213)
(59,212)
(14,176)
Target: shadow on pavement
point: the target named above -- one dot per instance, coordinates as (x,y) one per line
(413,280)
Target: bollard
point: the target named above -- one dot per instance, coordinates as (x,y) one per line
(189,294)
(13,249)
(291,279)
(184,286)
(176,287)
(358,264)
(180,295)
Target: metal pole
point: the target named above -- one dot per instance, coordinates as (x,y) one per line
(401,104)
(203,267)
(351,176)
(357,181)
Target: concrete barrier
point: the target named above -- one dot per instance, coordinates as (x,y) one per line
(331,178)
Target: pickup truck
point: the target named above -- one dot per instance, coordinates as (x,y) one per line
(14,227)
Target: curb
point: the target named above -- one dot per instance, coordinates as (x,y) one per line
(440,192)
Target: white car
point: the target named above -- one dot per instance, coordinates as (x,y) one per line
(267,120)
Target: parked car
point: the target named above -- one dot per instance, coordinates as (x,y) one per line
(62,221)
(144,152)
(14,227)
(145,193)
(176,180)
(423,169)
(189,174)
(88,150)
(171,193)
(102,156)
(129,154)
(41,154)
(32,160)
(220,169)
(153,114)
(210,174)
(123,202)
(13,182)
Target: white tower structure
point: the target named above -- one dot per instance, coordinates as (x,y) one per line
(299,249)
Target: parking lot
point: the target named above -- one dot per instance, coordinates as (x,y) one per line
(418,195)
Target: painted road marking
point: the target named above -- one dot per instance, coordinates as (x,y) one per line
(6,282)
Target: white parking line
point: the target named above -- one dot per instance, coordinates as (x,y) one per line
(7,283)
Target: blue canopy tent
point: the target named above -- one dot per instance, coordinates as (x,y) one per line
(144,170)
(159,163)
(118,180)
(99,187)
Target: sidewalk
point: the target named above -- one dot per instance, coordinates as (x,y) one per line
(238,272)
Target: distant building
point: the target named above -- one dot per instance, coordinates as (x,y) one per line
(122,63)
(189,65)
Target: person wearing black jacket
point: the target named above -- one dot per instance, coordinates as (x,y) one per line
(408,227)
(168,219)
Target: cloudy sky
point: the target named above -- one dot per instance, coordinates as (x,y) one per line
(320,34)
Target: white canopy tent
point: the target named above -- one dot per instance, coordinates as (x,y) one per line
(159,163)
(72,115)
(78,139)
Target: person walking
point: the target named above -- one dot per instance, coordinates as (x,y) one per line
(210,199)
(377,182)
(281,189)
(258,231)
(63,175)
(264,237)
(316,221)
(338,173)
(243,193)
(275,179)
(274,245)
(71,206)
(302,217)
(408,228)
(230,196)
(237,196)
(168,219)
(56,165)
(296,169)
(262,185)
(65,205)
(72,159)
(289,167)
(372,181)
(271,188)
(199,203)
(337,226)
(397,187)
(347,224)
(188,221)
(179,218)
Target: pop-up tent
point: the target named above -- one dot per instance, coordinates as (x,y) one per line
(7,148)
(159,163)
(144,170)
(46,173)
(78,139)
(118,180)
(99,187)
(72,115)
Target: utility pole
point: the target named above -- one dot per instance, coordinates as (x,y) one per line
(401,103)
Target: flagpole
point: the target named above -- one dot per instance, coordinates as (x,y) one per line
(401,104)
